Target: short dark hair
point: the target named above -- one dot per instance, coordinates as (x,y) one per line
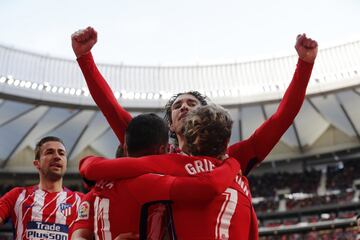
(145,134)
(167,108)
(207,131)
(43,141)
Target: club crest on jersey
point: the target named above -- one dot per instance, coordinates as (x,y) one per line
(65,209)
(84,211)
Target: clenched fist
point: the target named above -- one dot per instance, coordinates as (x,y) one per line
(306,48)
(83,40)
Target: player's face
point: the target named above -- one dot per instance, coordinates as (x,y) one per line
(52,163)
(179,110)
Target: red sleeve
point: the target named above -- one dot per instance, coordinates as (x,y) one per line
(201,187)
(7,202)
(117,117)
(254,149)
(98,168)
(85,216)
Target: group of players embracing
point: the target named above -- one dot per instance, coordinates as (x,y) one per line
(196,188)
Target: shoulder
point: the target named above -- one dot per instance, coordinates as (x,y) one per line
(17,190)
(11,196)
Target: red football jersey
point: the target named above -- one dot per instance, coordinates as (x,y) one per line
(38,214)
(227,215)
(112,208)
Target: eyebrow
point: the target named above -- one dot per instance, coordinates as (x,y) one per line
(53,149)
(187,100)
(176,102)
(192,100)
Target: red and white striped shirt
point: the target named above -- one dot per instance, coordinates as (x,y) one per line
(38,214)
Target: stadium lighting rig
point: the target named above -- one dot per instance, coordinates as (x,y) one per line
(131,95)
(84,91)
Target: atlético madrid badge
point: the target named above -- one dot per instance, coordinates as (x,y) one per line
(65,209)
(84,211)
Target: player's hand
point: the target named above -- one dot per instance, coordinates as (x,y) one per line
(83,40)
(127,236)
(306,48)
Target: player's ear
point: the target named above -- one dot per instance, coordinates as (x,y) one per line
(36,163)
(171,127)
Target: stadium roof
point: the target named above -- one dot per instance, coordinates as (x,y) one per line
(32,104)
(54,79)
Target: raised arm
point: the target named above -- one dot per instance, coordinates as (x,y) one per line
(117,117)
(253,150)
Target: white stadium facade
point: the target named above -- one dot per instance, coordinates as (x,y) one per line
(42,95)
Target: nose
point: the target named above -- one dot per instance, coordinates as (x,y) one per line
(57,156)
(184,107)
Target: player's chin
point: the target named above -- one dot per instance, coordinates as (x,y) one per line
(56,175)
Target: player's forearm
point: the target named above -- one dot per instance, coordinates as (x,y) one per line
(98,168)
(254,149)
(117,117)
(268,135)
(294,96)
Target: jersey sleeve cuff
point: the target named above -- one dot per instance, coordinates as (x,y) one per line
(306,65)
(87,57)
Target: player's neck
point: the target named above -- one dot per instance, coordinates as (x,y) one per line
(51,186)
(181,141)
(182,145)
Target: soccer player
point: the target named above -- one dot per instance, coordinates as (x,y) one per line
(116,205)
(249,152)
(47,210)
(207,133)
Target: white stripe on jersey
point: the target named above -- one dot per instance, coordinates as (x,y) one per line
(96,204)
(101,213)
(77,202)
(60,218)
(19,214)
(226,213)
(104,211)
(38,205)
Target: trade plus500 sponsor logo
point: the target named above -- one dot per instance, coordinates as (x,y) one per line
(39,230)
